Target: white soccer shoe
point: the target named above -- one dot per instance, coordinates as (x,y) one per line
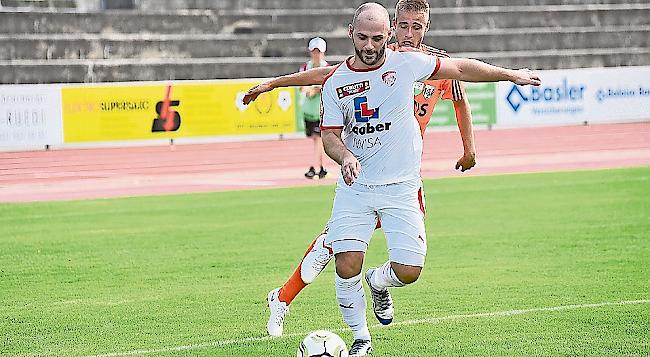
(360,348)
(316,259)
(382,303)
(279,309)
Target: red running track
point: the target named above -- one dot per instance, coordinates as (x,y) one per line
(154,170)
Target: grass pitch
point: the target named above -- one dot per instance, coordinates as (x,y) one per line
(189,274)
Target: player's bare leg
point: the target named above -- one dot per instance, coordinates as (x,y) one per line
(318,156)
(317,256)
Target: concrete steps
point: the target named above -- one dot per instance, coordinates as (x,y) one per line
(61,71)
(493,17)
(116,46)
(339,4)
(322,21)
(263,38)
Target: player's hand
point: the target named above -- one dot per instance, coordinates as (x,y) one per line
(525,76)
(466,162)
(350,168)
(254,92)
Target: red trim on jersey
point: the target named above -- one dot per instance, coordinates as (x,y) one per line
(330,74)
(362,69)
(421,200)
(437,67)
(321,99)
(330,127)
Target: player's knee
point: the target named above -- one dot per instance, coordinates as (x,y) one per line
(348,264)
(407,274)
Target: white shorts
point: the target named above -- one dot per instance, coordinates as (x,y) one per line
(400,207)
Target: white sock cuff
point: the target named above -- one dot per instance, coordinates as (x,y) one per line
(385,277)
(394,277)
(348,285)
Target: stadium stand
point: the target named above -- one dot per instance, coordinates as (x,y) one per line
(50,41)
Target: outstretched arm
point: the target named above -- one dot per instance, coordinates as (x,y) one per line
(464,119)
(306,78)
(471,70)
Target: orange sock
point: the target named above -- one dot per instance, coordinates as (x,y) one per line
(294,285)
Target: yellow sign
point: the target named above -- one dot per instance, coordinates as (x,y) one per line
(172,110)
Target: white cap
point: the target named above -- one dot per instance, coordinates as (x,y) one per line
(319,43)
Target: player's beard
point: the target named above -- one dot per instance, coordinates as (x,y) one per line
(370,62)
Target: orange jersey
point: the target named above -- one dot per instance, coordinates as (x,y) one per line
(427,93)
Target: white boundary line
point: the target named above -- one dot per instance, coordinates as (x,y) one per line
(430,320)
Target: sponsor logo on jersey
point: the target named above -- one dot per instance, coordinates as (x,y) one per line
(370,129)
(362,113)
(352,89)
(428,91)
(418,87)
(389,78)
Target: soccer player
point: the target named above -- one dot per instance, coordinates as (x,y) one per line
(368,127)
(411,23)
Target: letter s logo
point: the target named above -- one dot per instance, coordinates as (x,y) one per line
(168,119)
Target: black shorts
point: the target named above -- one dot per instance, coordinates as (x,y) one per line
(312,128)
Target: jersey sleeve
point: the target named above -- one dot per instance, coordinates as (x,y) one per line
(452,90)
(421,64)
(455,91)
(331,115)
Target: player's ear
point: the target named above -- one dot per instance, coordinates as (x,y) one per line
(350,30)
(426,28)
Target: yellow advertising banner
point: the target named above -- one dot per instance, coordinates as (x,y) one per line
(132,111)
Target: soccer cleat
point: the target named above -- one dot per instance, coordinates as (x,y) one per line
(315,260)
(360,348)
(322,173)
(310,173)
(382,303)
(279,310)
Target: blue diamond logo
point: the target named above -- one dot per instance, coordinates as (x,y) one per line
(515,98)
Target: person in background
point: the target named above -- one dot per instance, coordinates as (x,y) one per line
(311,106)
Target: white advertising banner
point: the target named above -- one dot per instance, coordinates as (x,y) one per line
(575,96)
(30,116)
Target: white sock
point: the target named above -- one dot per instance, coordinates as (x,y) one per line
(349,293)
(385,277)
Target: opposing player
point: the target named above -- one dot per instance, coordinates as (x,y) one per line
(368,127)
(411,23)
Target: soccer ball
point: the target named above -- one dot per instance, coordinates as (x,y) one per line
(322,344)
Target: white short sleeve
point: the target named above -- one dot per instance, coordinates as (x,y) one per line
(331,116)
(423,65)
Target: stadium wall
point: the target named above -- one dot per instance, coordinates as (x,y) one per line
(37,116)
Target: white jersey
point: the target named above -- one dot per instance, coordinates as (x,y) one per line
(374,107)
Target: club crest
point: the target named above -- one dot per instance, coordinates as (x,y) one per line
(389,78)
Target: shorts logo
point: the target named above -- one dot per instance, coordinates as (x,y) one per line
(389,78)
(352,89)
(362,113)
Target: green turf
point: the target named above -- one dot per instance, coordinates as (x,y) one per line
(95,277)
